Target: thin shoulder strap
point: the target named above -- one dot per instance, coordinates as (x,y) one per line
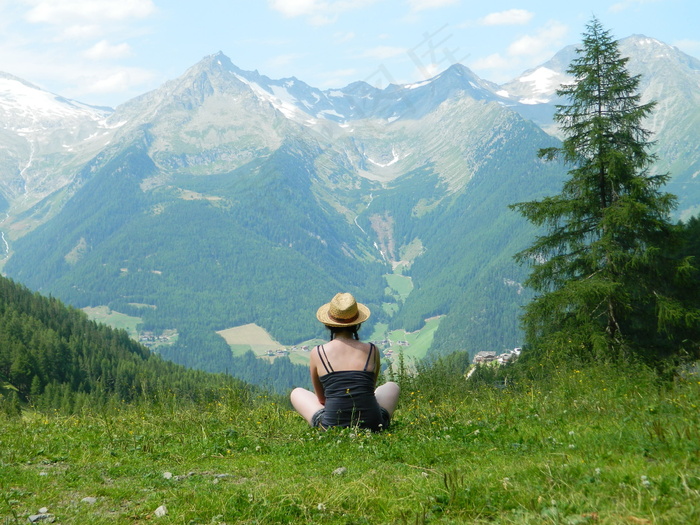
(325,362)
(369,356)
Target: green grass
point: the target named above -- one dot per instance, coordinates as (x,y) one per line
(602,445)
(418,342)
(399,285)
(240,349)
(106,315)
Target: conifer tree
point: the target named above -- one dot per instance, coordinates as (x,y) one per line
(604,278)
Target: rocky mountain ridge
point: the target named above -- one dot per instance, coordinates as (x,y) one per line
(46,137)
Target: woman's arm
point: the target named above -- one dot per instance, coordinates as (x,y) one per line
(377,364)
(315,381)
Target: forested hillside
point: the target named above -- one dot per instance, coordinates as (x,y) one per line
(53,356)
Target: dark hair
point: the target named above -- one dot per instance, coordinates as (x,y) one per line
(338,329)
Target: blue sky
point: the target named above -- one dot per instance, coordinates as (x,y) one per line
(105,52)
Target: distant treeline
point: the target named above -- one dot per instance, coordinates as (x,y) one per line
(53,356)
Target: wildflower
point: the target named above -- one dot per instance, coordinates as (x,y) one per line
(645,481)
(597,472)
(321,507)
(571,432)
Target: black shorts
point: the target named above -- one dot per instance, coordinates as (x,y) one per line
(317,418)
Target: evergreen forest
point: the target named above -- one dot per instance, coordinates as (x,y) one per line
(53,356)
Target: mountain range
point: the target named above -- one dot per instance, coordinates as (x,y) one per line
(225,197)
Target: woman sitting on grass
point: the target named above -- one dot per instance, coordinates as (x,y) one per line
(344,374)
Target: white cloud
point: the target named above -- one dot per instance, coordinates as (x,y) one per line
(523,53)
(318,12)
(342,37)
(494,61)
(82,32)
(78,20)
(116,81)
(334,79)
(60,12)
(627,4)
(350,72)
(428,71)
(509,17)
(284,60)
(549,36)
(69,47)
(423,5)
(383,52)
(292,8)
(104,50)
(692,47)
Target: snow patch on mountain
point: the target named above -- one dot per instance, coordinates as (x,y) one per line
(543,82)
(417,85)
(330,112)
(26,108)
(280,99)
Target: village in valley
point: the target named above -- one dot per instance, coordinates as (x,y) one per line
(502,358)
(153,340)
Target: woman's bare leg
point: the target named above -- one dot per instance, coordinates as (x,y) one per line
(305,402)
(388,396)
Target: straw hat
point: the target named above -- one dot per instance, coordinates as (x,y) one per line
(343,310)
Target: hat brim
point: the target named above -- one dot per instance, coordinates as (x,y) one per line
(322,315)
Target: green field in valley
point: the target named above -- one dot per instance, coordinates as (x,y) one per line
(104,314)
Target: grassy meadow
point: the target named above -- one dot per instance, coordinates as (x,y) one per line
(105,315)
(599,445)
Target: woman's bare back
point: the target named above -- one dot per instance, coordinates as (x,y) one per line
(346,354)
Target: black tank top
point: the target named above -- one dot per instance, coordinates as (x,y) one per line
(350,399)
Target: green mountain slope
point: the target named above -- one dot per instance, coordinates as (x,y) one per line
(53,355)
(466,271)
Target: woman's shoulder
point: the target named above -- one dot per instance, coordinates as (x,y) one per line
(340,345)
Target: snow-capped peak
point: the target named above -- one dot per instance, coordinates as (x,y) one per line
(26,107)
